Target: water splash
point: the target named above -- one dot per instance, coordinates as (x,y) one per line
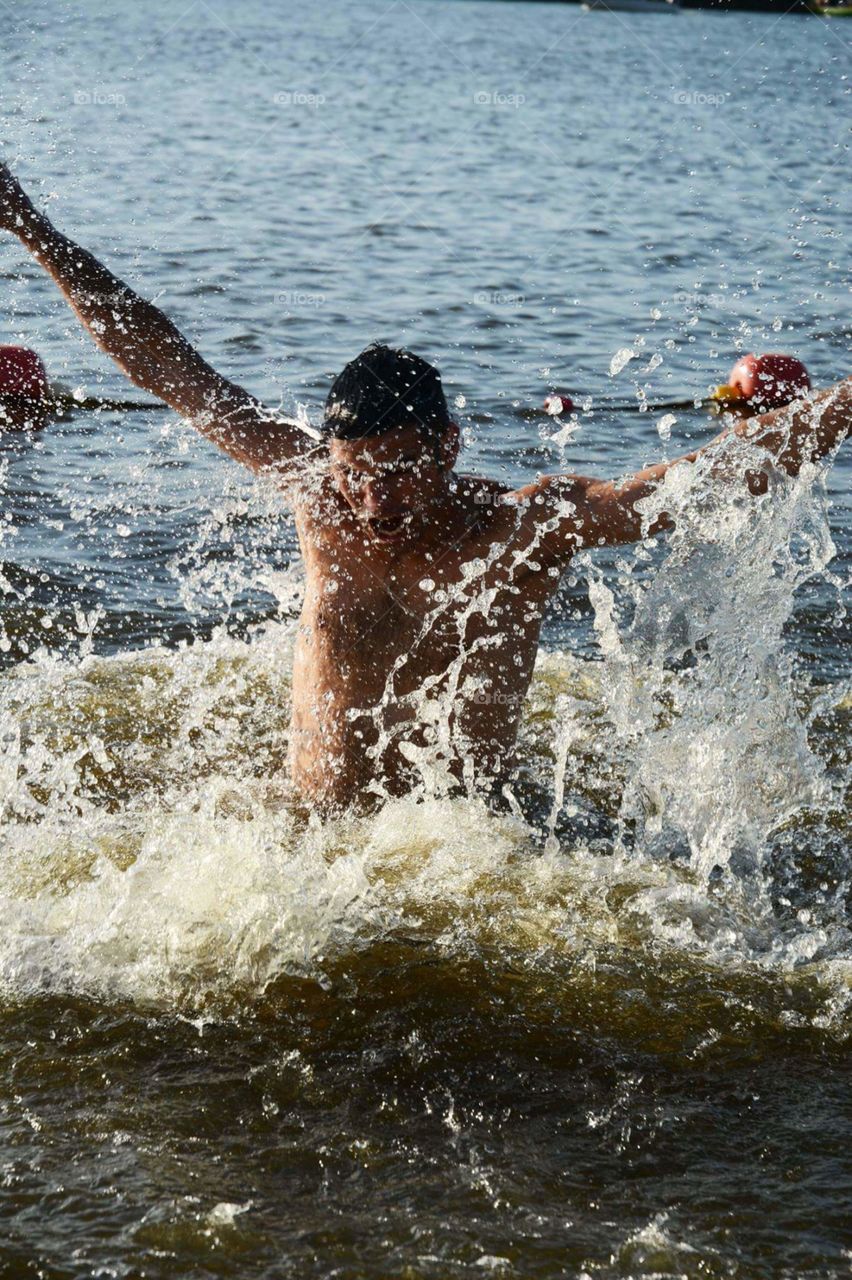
(152,851)
(160,861)
(698,681)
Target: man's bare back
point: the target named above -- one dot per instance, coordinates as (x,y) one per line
(425,590)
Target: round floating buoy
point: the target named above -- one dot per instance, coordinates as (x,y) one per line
(24,388)
(555,404)
(765,382)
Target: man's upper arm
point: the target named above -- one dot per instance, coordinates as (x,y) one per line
(572,512)
(237,422)
(252,435)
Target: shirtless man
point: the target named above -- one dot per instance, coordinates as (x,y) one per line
(425,590)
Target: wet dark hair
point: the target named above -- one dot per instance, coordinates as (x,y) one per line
(384,389)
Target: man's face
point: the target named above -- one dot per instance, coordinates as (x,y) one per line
(393,482)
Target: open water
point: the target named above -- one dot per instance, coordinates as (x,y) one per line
(236,1041)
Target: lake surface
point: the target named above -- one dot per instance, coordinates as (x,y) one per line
(236,1041)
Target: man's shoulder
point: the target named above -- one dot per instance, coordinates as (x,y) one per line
(482,491)
(496,513)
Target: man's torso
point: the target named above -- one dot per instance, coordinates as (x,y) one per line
(412,667)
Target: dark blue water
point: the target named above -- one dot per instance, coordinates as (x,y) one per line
(231,1045)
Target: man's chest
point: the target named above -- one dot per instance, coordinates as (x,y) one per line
(421,622)
(428,603)
(352,619)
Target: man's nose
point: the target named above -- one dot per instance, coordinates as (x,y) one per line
(374,494)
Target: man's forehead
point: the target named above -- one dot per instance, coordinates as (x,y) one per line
(383,448)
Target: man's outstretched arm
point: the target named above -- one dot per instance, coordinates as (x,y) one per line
(577,511)
(146,345)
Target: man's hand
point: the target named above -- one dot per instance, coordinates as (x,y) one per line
(146,345)
(804,431)
(15,204)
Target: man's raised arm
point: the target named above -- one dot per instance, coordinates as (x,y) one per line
(577,511)
(146,345)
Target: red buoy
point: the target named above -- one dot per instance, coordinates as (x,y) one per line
(24,388)
(22,373)
(770,380)
(555,404)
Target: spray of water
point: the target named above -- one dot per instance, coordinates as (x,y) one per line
(698,682)
(151,849)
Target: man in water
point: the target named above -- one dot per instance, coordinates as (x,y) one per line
(425,590)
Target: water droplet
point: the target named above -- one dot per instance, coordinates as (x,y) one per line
(664,426)
(622,357)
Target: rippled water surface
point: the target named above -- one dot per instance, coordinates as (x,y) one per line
(607,1040)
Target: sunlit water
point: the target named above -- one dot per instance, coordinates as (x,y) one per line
(607,1034)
